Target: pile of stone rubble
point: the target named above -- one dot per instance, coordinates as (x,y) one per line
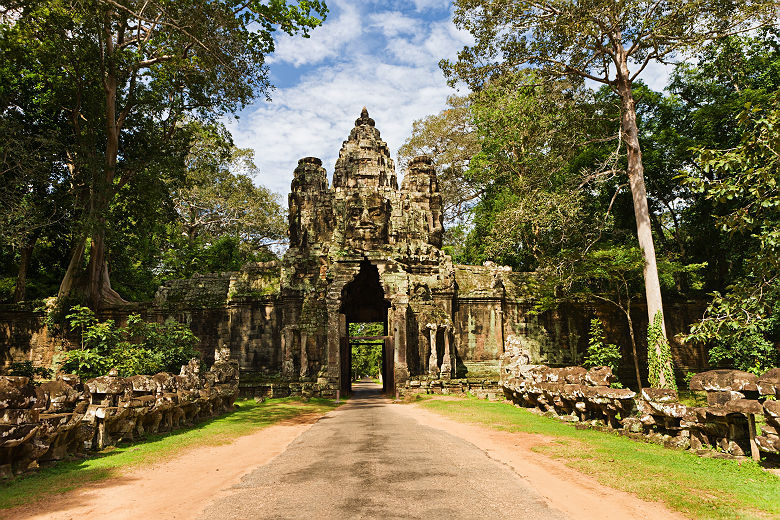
(67,417)
(727,424)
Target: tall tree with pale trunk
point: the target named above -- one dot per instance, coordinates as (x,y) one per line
(606,42)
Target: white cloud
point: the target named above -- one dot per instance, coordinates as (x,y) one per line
(393,23)
(424,5)
(328,41)
(398,85)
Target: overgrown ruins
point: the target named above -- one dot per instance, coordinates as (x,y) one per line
(363,249)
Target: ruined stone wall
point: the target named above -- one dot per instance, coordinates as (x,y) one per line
(560,337)
(24,337)
(253,331)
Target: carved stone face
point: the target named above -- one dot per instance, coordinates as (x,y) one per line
(367,220)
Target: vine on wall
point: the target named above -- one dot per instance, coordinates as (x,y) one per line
(659,356)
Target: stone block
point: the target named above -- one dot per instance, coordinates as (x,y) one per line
(721,397)
(769,382)
(723,380)
(18,416)
(16,393)
(659,395)
(600,376)
(744,406)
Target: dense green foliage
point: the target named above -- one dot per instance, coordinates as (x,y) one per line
(744,323)
(600,353)
(140,347)
(104,104)
(367,354)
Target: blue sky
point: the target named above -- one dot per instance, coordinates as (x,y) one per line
(380,54)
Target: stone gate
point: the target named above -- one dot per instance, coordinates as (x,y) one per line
(363,249)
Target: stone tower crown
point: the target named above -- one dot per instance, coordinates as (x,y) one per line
(364,210)
(364,160)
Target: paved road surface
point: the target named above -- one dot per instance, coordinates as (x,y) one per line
(365,460)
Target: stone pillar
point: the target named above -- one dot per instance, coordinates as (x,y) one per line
(287,355)
(500,331)
(304,354)
(334,344)
(400,369)
(447,364)
(433,368)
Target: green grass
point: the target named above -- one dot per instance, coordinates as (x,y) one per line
(698,487)
(65,476)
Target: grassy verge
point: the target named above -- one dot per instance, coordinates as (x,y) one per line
(698,487)
(65,476)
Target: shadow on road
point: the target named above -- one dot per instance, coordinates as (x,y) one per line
(367,394)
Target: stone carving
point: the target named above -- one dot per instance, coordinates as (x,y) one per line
(728,422)
(367,220)
(67,417)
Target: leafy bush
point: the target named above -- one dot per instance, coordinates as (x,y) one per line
(750,352)
(7,288)
(140,347)
(601,354)
(27,369)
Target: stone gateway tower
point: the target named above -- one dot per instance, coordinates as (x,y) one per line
(365,250)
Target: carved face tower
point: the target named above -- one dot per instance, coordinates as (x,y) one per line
(364,210)
(364,182)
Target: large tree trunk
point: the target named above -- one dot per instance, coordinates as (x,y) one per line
(72,273)
(94,284)
(24,263)
(636,178)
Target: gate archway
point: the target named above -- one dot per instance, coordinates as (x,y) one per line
(363,301)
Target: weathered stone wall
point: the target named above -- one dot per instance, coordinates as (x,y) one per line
(560,337)
(24,337)
(253,331)
(65,417)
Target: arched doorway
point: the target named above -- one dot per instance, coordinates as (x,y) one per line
(363,301)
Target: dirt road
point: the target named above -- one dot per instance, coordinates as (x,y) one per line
(368,459)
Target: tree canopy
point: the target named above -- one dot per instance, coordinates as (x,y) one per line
(115,83)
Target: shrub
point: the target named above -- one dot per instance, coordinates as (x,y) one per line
(601,354)
(750,352)
(140,347)
(27,369)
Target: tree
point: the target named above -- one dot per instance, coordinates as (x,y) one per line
(33,170)
(744,323)
(606,42)
(137,68)
(702,110)
(450,139)
(219,198)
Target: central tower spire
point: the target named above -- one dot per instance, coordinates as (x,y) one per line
(364,159)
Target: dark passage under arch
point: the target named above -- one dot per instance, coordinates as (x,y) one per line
(363,301)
